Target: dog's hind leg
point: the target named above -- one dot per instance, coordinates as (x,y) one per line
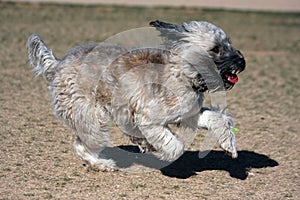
(92,137)
(92,156)
(88,120)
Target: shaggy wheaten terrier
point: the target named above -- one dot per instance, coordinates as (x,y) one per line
(142,90)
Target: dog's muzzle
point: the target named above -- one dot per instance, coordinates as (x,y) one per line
(230,66)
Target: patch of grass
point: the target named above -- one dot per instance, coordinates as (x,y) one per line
(249,193)
(67,179)
(49,196)
(7,169)
(176,187)
(138,185)
(288,195)
(76,174)
(29,194)
(27,155)
(122,195)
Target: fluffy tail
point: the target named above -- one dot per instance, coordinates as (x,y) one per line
(41,58)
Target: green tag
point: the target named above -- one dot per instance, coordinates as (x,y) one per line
(234,129)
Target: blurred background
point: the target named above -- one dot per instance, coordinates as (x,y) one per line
(265,5)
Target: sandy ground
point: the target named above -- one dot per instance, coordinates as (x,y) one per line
(36,152)
(260,5)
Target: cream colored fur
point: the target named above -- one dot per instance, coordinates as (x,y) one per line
(141,90)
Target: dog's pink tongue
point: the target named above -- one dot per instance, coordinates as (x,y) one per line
(233,78)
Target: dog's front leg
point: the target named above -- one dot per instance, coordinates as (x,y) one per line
(220,125)
(167,145)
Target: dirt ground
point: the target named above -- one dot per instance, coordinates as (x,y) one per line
(37,159)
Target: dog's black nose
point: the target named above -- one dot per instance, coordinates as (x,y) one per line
(241,62)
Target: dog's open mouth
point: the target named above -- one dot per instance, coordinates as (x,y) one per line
(230,78)
(230,67)
(229,70)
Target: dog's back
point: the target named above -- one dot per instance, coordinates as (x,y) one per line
(72,79)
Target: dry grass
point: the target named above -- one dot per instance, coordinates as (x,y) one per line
(37,160)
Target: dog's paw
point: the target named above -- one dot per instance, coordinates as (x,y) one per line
(146,148)
(102,165)
(143,144)
(228,144)
(220,125)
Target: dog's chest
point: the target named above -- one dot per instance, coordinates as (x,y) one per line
(190,104)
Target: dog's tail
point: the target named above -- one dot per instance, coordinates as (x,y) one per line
(41,58)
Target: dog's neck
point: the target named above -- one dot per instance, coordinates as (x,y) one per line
(201,71)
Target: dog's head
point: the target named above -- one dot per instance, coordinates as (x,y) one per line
(213,43)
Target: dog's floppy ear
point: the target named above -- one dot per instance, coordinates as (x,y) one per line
(171,27)
(172,33)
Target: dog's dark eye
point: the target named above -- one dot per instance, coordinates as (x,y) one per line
(216,49)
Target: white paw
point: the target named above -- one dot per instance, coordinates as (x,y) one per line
(103,165)
(228,144)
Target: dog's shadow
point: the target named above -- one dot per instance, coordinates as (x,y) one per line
(190,163)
